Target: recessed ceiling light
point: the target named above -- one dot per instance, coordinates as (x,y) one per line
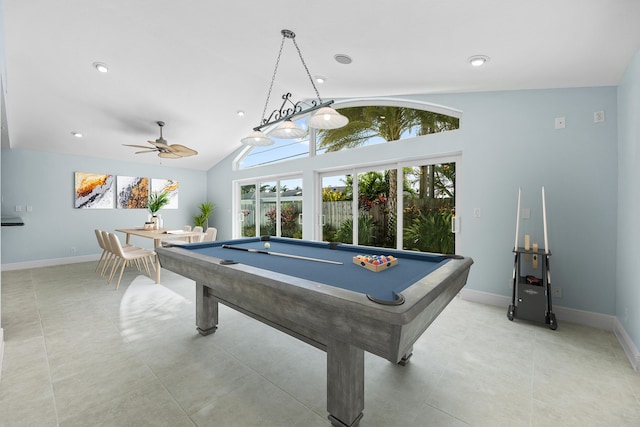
(478,60)
(320,79)
(101,67)
(76,134)
(240,113)
(342,58)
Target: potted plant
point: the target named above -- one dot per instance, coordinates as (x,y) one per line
(155,202)
(202,220)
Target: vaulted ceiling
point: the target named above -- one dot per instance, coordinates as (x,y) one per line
(193,63)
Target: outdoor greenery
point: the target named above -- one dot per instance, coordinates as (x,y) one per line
(428,191)
(390,124)
(428,197)
(289,226)
(430,231)
(330,195)
(365,231)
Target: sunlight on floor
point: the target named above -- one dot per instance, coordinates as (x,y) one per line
(144,302)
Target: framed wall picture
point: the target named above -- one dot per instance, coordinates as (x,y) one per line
(133,192)
(93,191)
(168,186)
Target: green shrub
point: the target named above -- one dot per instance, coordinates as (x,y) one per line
(430,231)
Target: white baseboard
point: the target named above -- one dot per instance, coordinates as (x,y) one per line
(587,318)
(628,346)
(1,350)
(49,262)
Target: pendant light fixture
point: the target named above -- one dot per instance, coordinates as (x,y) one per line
(324,117)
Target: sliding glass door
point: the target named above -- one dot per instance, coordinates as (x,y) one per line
(409,206)
(270,208)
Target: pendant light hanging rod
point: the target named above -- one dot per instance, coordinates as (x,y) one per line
(328,118)
(283,113)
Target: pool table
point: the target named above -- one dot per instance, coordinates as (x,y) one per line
(315,292)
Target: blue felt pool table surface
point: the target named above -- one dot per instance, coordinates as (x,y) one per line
(383,285)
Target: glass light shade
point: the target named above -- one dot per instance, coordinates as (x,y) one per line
(287,130)
(257,138)
(327,118)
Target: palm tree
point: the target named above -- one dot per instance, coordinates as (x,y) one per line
(389,123)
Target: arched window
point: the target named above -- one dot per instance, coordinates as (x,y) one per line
(371,121)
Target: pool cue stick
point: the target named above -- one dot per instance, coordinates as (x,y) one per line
(518,219)
(544,222)
(258,251)
(546,240)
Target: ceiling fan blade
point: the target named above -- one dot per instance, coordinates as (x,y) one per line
(182,151)
(146,151)
(138,146)
(167,155)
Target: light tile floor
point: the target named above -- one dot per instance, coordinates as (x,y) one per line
(79,353)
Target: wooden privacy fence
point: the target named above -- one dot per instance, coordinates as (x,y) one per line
(335,213)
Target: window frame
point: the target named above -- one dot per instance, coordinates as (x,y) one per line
(355,102)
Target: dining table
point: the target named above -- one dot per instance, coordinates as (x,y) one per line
(158,235)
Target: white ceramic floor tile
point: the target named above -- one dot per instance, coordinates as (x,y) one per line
(78,352)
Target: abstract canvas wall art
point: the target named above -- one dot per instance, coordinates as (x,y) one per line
(168,186)
(93,191)
(133,192)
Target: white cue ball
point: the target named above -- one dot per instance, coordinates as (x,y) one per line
(267,245)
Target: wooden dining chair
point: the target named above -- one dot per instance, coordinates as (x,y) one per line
(210,235)
(112,255)
(198,229)
(105,253)
(125,257)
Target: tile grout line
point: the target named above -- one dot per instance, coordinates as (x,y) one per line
(46,352)
(144,362)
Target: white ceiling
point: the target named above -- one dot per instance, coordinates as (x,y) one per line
(194,63)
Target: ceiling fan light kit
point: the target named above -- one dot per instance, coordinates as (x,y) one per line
(164,150)
(329,119)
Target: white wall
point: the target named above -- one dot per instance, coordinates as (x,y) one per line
(2,142)
(507,140)
(45,181)
(628,288)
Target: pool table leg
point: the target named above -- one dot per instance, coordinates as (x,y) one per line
(406,357)
(206,311)
(345,384)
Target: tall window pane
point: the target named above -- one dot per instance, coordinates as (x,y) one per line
(291,208)
(428,207)
(377,208)
(248,210)
(267,202)
(337,209)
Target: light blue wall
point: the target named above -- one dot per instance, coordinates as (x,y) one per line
(507,140)
(628,289)
(46,182)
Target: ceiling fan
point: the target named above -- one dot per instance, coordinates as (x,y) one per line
(173,151)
